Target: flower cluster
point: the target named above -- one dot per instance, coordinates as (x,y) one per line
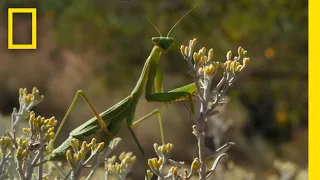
(120,170)
(31,149)
(79,155)
(203,69)
(27,102)
(82,154)
(176,171)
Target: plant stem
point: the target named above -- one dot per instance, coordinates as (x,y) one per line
(40,172)
(201,144)
(202,155)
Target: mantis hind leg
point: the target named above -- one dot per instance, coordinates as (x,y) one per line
(84,97)
(154,112)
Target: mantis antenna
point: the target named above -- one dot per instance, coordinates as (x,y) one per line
(153,25)
(147,19)
(183,17)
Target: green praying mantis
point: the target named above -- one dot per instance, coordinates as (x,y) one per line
(108,123)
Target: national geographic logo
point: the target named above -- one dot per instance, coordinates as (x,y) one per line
(33,12)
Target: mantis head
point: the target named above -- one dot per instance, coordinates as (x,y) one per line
(164,43)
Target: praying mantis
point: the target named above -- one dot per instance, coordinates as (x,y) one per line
(108,123)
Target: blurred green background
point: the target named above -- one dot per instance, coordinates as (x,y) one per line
(100,46)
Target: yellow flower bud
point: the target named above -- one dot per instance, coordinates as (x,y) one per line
(151,163)
(85,145)
(201,61)
(245,61)
(186,51)
(240,51)
(26,99)
(182,49)
(162,149)
(52,121)
(32,115)
(112,159)
(195,57)
(210,54)
(159,162)
(194,41)
(129,154)
(235,58)
(46,122)
(155,146)
(122,156)
(93,143)
(42,120)
(35,125)
(203,49)
(232,65)
(38,119)
(200,53)
(239,68)
(21,92)
(68,155)
(25,91)
(74,143)
(100,146)
(26,130)
(209,70)
(174,171)
(229,55)
(165,148)
(81,153)
(133,159)
(35,91)
(75,158)
(149,174)
(170,146)
(50,135)
(227,64)
(50,130)
(195,164)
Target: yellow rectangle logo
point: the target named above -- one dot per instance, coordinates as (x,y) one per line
(33,44)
